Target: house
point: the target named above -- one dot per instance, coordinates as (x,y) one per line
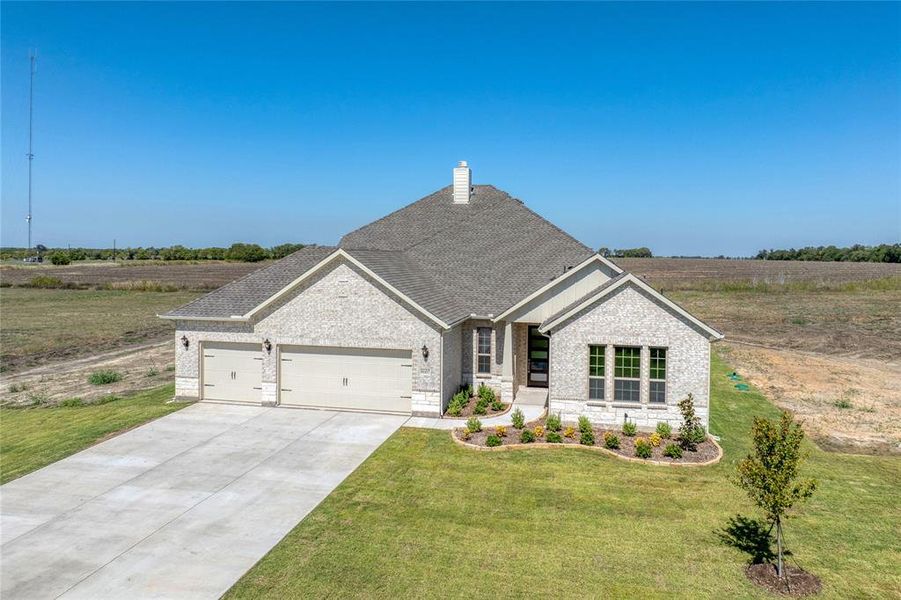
(466,285)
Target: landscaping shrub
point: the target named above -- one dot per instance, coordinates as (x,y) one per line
(501,430)
(664,430)
(59,258)
(481,407)
(643,448)
(473,425)
(611,440)
(690,433)
(539,431)
(553,423)
(629,428)
(464,434)
(493,441)
(454,409)
(569,432)
(497,405)
(554,437)
(527,437)
(584,424)
(673,451)
(587,438)
(104,377)
(486,393)
(655,439)
(519,419)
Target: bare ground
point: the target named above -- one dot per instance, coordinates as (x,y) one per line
(847,404)
(143,367)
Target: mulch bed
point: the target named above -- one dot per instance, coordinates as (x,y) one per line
(467,410)
(796,582)
(706,451)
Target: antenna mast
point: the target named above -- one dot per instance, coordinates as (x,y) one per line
(32,57)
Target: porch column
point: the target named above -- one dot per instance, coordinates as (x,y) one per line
(507,366)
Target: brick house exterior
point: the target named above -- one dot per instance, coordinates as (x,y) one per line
(465,286)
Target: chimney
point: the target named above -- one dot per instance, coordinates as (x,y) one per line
(462,183)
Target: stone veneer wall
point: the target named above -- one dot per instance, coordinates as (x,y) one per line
(628,317)
(341,307)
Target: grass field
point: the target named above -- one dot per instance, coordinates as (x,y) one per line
(31,438)
(40,325)
(424,517)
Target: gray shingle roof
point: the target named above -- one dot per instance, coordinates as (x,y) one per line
(454,260)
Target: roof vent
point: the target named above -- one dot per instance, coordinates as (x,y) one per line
(462,183)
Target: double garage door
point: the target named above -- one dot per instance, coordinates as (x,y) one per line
(312,376)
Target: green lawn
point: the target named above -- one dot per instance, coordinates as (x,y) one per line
(39,324)
(426,518)
(31,438)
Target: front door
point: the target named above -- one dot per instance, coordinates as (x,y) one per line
(539,347)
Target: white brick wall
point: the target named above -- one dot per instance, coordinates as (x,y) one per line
(341,307)
(470,362)
(628,317)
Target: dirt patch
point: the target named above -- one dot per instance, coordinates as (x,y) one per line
(795,582)
(846,404)
(143,368)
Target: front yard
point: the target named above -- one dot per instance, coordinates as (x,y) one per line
(425,517)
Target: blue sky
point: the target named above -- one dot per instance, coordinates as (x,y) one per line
(689,128)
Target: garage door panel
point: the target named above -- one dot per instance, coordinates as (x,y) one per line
(232,372)
(346,378)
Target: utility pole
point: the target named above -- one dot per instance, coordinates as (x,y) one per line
(32,56)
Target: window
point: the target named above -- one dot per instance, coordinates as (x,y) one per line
(483,351)
(658,375)
(595,372)
(627,374)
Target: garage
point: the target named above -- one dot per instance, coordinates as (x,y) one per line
(232,372)
(379,380)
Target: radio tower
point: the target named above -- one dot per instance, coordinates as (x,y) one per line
(32,57)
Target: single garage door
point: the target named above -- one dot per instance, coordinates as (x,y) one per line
(232,372)
(346,378)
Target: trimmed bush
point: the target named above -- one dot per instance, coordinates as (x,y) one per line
(570,432)
(664,430)
(539,431)
(526,437)
(553,423)
(611,440)
(104,377)
(673,451)
(629,428)
(655,439)
(519,419)
(493,441)
(584,424)
(643,448)
(473,425)
(501,430)
(554,437)
(587,438)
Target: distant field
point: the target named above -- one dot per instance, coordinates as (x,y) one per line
(201,275)
(704,273)
(44,325)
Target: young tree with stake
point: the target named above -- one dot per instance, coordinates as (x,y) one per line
(770,473)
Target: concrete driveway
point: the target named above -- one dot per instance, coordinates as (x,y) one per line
(180,507)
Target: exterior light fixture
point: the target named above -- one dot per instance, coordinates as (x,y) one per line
(185,341)
(268,346)
(425,352)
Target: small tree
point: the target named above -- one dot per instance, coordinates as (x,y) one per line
(770,473)
(691,433)
(59,257)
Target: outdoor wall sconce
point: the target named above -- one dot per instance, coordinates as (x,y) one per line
(268,346)
(185,341)
(425,352)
